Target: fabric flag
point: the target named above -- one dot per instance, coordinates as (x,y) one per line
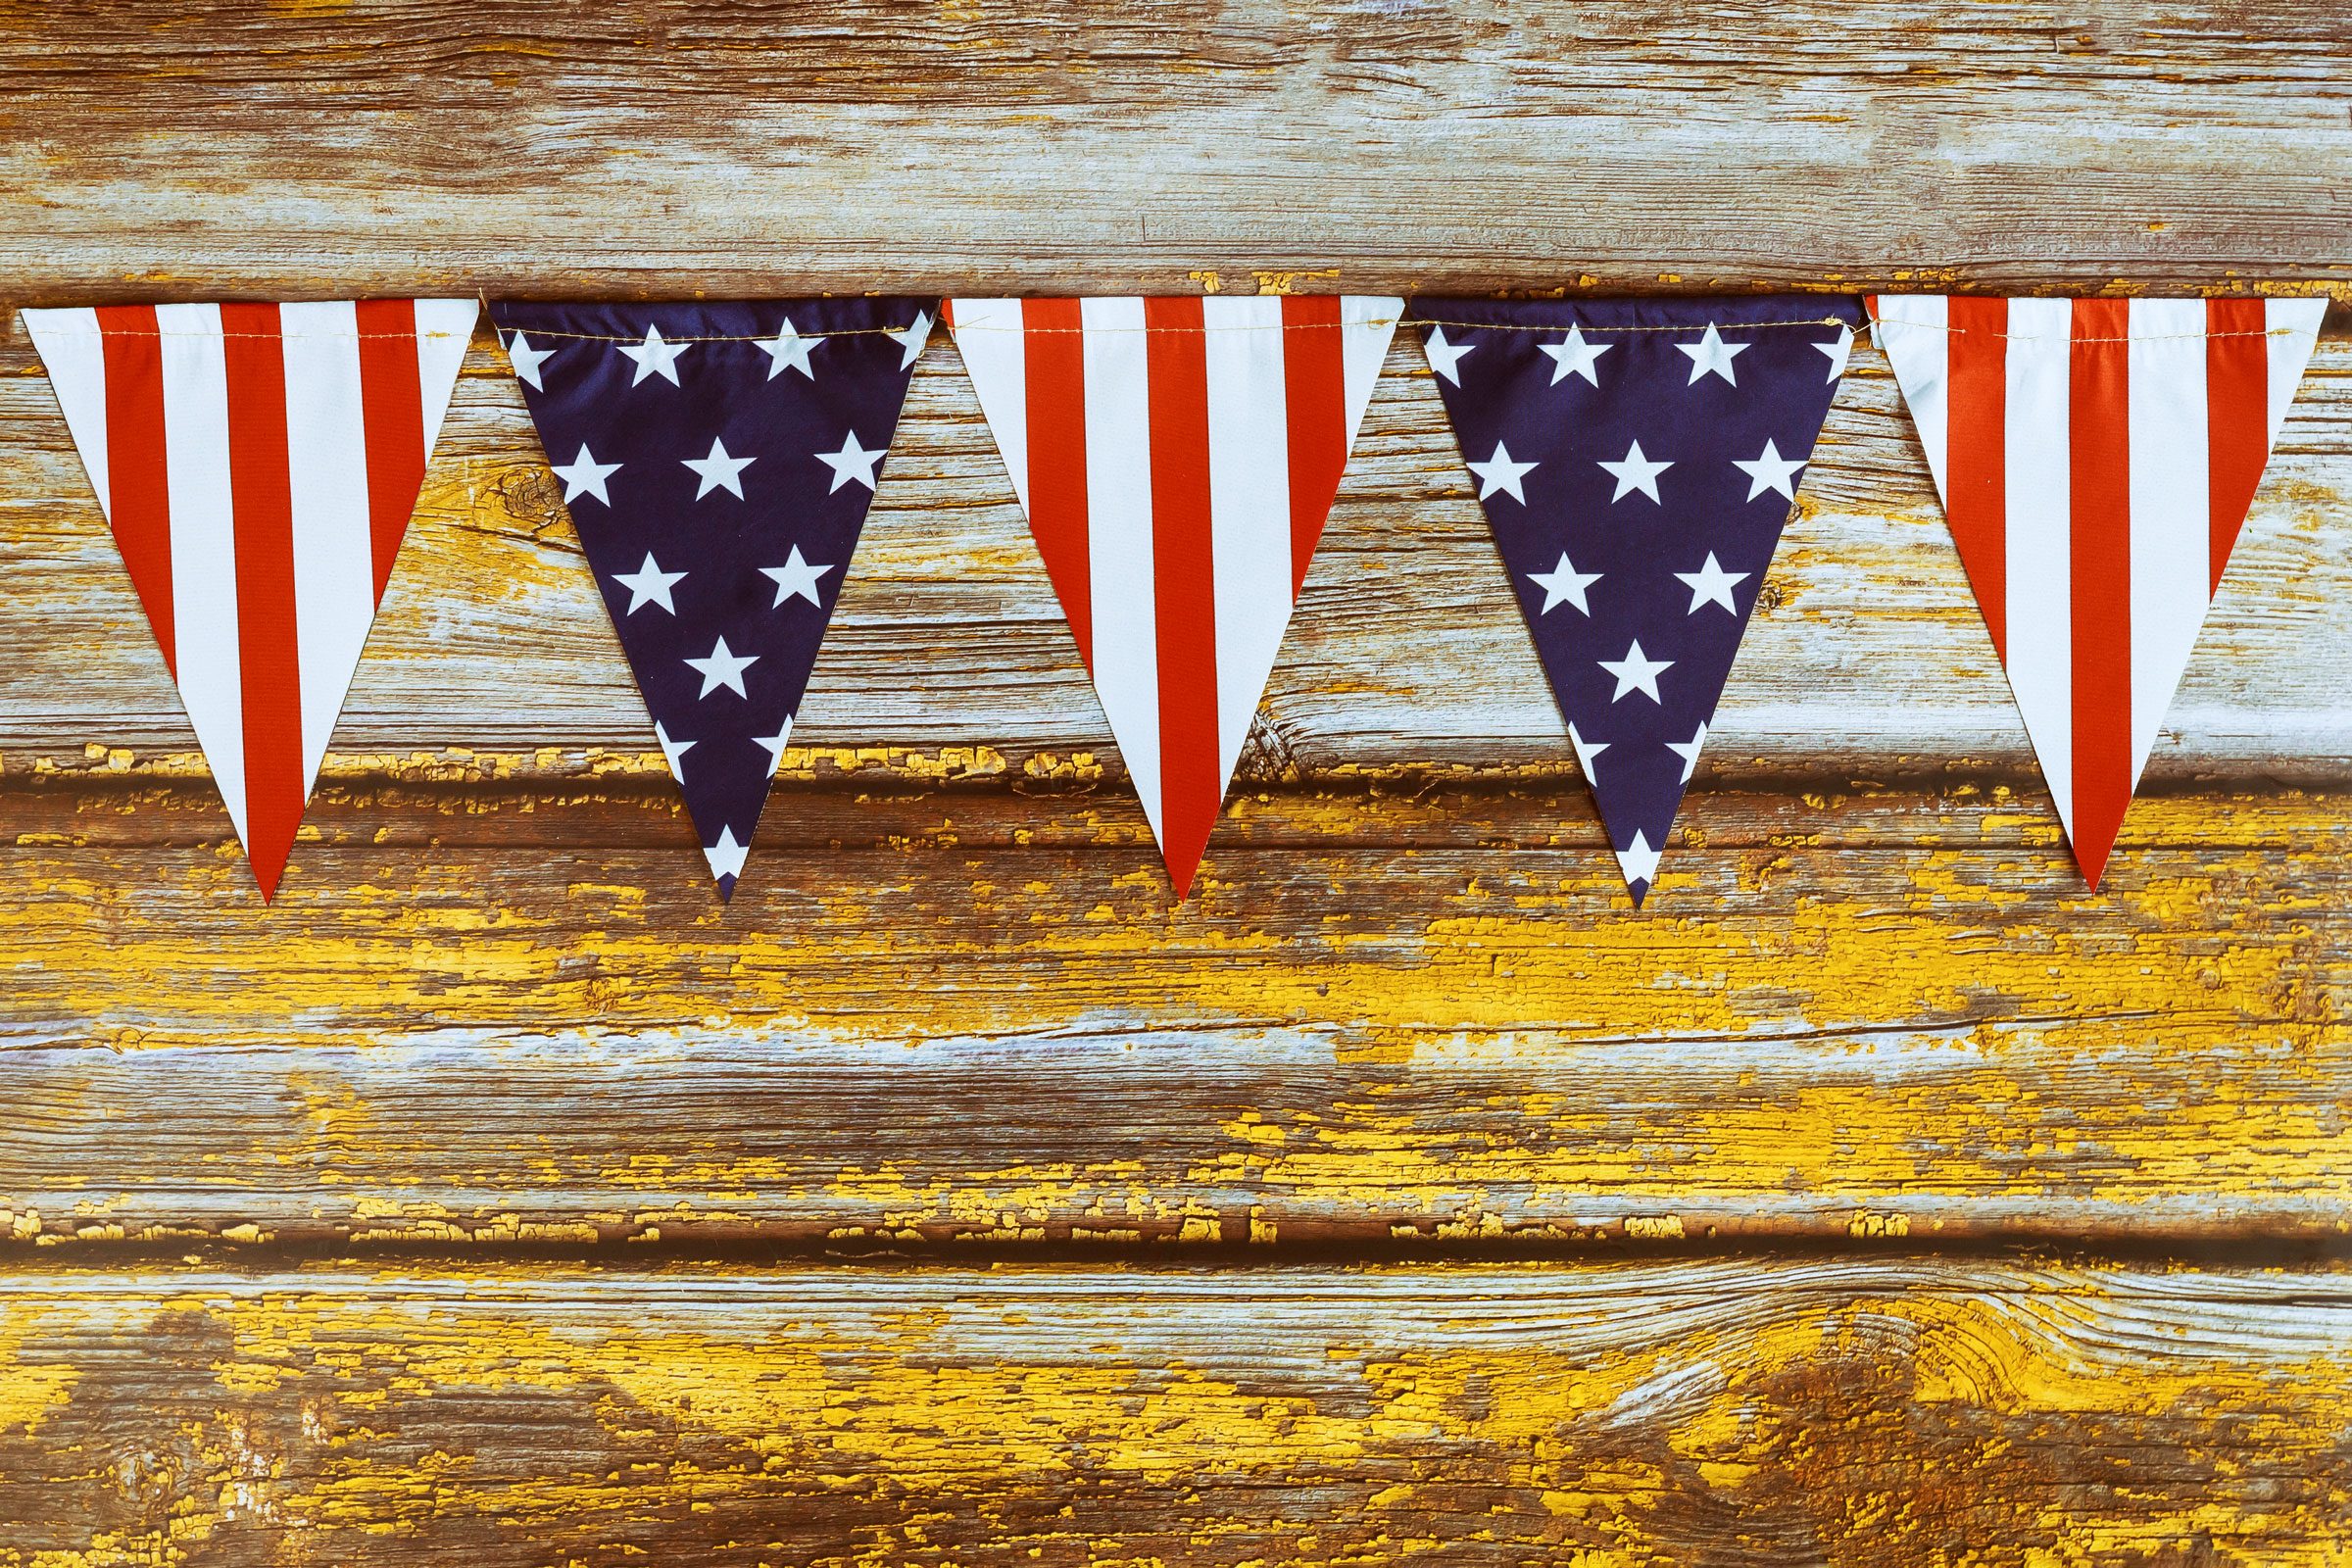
(1177,458)
(717,460)
(1637,460)
(2096,460)
(258,465)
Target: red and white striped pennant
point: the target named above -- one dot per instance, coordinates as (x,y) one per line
(2096,460)
(258,465)
(1177,458)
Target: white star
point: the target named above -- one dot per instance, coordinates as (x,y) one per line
(584,476)
(649,584)
(775,745)
(1446,359)
(1712,356)
(1636,672)
(1564,584)
(1585,751)
(1710,584)
(527,359)
(724,668)
(718,470)
(655,357)
(1769,470)
(913,338)
(1499,472)
(726,855)
(851,462)
(1635,472)
(1573,356)
(674,751)
(1638,860)
(1688,751)
(796,577)
(1838,350)
(789,351)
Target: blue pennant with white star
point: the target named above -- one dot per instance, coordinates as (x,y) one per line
(717,462)
(1637,460)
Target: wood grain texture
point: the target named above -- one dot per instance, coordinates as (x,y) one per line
(1882,1414)
(980,146)
(497,1197)
(934,1041)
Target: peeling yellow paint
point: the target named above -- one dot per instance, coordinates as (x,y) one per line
(29,1390)
(1887,1387)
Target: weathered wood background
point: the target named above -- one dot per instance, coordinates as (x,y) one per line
(1875,1197)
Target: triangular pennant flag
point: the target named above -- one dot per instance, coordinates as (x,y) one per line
(258,465)
(1637,460)
(717,460)
(2096,460)
(1177,458)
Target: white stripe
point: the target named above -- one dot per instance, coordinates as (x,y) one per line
(444,329)
(74,352)
(1118,504)
(2038,508)
(204,543)
(2172,511)
(334,567)
(2295,328)
(1366,323)
(1248,506)
(995,356)
(1911,331)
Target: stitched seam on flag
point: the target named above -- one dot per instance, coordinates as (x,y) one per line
(1588,326)
(2053,337)
(297,337)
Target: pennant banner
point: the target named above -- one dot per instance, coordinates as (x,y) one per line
(258,465)
(1637,460)
(717,462)
(1177,458)
(2096,460)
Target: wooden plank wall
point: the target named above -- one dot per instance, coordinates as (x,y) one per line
(1875,1197)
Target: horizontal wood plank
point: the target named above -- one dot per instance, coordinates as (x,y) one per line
(664,150)
(929,1041)
(1882,1414)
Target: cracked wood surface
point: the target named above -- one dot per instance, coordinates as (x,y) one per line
(497,1197)
(1873,1412)
(984,147)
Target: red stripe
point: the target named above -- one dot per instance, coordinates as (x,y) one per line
(138,478)
(392,406)
(1053,349)
(1315,390)
(268,659)
(1975,454)
(2099,455)
(1183,583)
(2237,421)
